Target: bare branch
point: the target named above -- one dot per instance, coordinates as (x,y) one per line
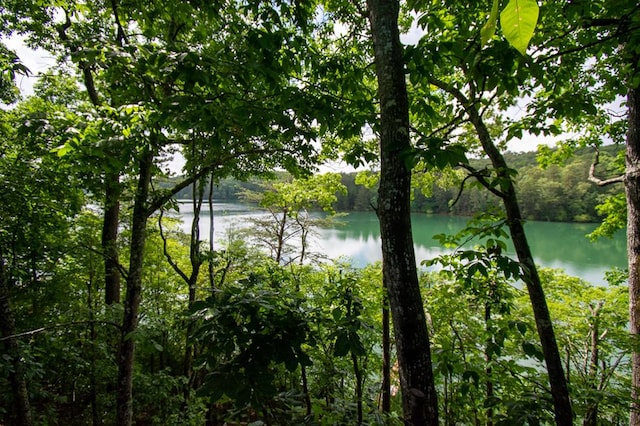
(54,326)
(601,182)
(469,176)
(84,65)
(159,201)
(165,250)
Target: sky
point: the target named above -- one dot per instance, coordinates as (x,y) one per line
(39,61)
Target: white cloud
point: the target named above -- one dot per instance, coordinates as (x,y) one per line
(37,61)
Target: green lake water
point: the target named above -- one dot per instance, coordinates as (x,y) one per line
(554,245)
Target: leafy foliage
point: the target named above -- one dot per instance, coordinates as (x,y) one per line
(248,89)
(273,329)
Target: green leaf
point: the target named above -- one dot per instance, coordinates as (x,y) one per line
(62,150)
(290,359)
(532,350)
(489,28)
(518,20)
(337,314)
(355,345)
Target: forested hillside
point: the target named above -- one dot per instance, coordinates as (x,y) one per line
(550,192)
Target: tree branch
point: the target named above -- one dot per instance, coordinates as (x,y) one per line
(601,182)
(165,251)
(159,201)
(123,271)
(121,37)
(481,178)
(469,176)
(54,326)
(575,49)
(84,66)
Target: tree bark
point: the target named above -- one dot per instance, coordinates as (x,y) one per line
(398,257)
(111,216)
(386,352)
(591,416)
(488,354)
(559,390)
(124,398)
(632,190)
(21,404)
(357,372)
(195,257)
(111,221)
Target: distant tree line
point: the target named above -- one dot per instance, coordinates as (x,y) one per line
(549,191)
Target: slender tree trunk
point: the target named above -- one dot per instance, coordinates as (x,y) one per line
(305,390)
(399,264)
(111,185)
(280,237)
(211,266)
(488,356)
(559,390)
(195,257)
(358,373)
(111,221)
(386,351)
(591,416)
(21,404)
(632,190)
(93,338)
(124,388)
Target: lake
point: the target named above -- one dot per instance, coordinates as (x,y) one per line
(554,245)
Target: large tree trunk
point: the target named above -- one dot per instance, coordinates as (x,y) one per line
(398,256)
(21,405)
(632,189)
(559,390)
(110,238)
(124,389)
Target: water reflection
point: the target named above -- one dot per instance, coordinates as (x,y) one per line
(554,245)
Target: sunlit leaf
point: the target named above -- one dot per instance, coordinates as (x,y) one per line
(489,28)
(518,20)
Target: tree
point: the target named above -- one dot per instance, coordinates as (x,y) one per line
(38,204)
(289,219)
(600,46)
(591,330)
(393,209)
(484,81)
(149,77)
(10,66)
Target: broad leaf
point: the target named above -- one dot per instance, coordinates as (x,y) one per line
(532,350)
(518,21)
(489,29)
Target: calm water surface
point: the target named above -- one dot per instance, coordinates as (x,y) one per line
(554,245)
